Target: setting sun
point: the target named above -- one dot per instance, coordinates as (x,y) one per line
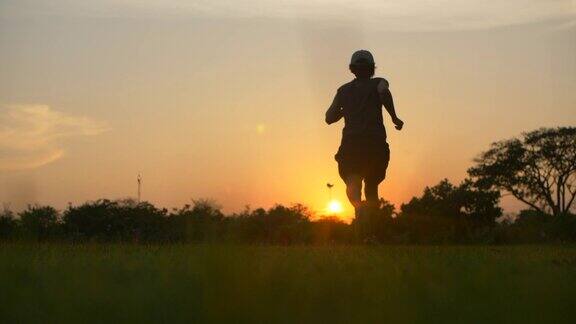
(334,207)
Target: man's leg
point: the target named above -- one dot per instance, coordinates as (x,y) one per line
(354,190)
(371,192)
(353,181)
(376,174)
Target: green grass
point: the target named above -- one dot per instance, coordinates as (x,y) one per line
(187,283)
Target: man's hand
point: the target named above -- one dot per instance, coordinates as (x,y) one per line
(398,123)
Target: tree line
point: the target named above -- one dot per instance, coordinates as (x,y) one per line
(538,168)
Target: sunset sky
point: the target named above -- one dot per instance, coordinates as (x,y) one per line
(226,99)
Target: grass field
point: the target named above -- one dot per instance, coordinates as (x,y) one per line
(187,283)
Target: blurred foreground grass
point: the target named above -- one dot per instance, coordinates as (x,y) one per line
(188,283)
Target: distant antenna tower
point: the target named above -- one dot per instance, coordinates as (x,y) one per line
(330,186)
(139,186)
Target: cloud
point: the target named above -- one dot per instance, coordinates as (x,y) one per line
(32,135)
(566,25)
(401,15)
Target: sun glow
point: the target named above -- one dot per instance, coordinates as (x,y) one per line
(334,207)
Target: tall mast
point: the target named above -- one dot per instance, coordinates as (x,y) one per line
(139,186)
(330,186)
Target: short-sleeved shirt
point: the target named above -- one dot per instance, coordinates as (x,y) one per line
(362,108)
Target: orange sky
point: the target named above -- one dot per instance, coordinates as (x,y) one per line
(206,101)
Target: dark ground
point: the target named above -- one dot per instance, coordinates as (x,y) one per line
(185,283)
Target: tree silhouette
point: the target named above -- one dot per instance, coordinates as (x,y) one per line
(39,222)
(7,223)
(538,169)
(447,213)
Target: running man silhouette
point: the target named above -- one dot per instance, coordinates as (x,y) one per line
(364,153)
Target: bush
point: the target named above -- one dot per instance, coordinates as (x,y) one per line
(330,230)
(39,223)
(449,214)
(202,222)
(375,224)
(277,225)
(115,221)
(532,226)
(8,225)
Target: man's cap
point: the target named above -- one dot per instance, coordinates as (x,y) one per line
(361,57)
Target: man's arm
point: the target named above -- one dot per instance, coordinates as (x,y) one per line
(388,102)
(334,113)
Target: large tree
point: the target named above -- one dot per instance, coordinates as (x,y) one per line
(539,169)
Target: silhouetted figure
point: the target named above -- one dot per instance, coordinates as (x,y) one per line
(363,154)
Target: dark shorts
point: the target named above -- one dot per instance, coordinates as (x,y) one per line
(364,157)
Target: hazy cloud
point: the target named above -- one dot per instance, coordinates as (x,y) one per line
(31,135)
(566,25)
(403,15)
